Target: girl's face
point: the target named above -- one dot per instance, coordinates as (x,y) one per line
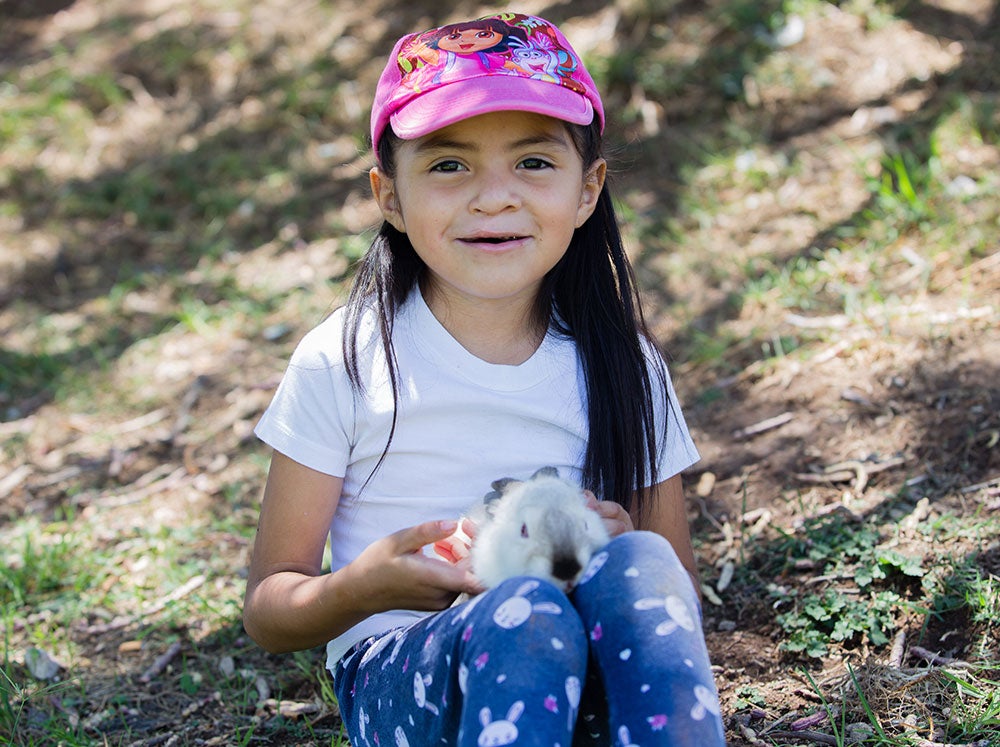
(490,204)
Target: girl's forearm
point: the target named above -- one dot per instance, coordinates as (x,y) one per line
(292,611)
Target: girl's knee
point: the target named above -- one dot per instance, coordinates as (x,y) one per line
(644,544)
(636,563)
(507,608)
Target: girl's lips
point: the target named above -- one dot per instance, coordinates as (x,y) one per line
(500,242)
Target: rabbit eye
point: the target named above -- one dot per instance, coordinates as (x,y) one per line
(524,530)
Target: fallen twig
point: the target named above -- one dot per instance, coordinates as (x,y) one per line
(750,735)
(143,489)
(812,736)
(181,591)
(851,469)
(124,621)
(292,709)
(764,425)
(992,482)
(187,404)
(896,653)
(161,663)
(14,479)
(937,659)
(814,719)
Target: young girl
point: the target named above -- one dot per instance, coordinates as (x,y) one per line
(493,329)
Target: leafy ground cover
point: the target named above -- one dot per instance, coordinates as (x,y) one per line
(811,191)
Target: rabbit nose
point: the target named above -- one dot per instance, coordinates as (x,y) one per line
(565,567)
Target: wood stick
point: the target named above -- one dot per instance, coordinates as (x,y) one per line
(896,653)
(812,736)
(161,663)
(764,425)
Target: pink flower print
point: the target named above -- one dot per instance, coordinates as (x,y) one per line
(597,633)
(551,704)
(467,634)
(481,660)
(657,722)
(406,664)
(375,738)
(429,641)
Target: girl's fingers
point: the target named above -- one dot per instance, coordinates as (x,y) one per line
(452,548)
(615,517)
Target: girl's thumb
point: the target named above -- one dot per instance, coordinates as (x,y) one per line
(431,531)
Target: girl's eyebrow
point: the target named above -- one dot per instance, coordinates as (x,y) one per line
(432,143)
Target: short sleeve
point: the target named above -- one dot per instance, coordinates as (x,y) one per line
(677,448)
(311,417)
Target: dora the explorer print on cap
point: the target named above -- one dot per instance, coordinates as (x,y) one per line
(503,62)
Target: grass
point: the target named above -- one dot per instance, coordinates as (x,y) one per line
(184,199)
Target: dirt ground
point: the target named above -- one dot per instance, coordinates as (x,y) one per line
(905,405)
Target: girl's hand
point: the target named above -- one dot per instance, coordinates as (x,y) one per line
(455,547)
(398,575)
(616,519)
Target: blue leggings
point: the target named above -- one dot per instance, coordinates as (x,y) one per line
(620,661)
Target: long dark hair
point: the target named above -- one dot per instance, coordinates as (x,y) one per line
(589,296)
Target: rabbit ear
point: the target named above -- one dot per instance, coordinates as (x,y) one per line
(500,487)
(515,711)
(485,717)
(546,472)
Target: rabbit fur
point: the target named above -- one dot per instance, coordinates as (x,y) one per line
(538,527)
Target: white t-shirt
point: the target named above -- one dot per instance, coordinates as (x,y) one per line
(462,423)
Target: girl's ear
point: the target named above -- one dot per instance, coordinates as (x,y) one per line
(593,183)
(384,190)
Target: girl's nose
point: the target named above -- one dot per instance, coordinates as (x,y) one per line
(494,193)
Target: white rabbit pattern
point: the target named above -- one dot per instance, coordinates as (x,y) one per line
(624,738)
(678,614)
(517,609)
(420,683)
(707,703)
(502,731)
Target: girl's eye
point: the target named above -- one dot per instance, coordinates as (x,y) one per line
(535,164)
(524,531)
(447,167)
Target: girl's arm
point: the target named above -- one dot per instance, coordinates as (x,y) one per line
(291,605)
(666,516)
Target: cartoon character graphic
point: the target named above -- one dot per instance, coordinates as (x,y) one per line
(443,51)
(517,609)
(541,59)
(502,731)
(507,43)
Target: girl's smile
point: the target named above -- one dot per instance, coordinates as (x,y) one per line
(490,203)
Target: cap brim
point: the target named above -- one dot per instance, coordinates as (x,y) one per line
(453,102)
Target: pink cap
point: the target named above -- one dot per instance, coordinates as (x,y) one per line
(504,62)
